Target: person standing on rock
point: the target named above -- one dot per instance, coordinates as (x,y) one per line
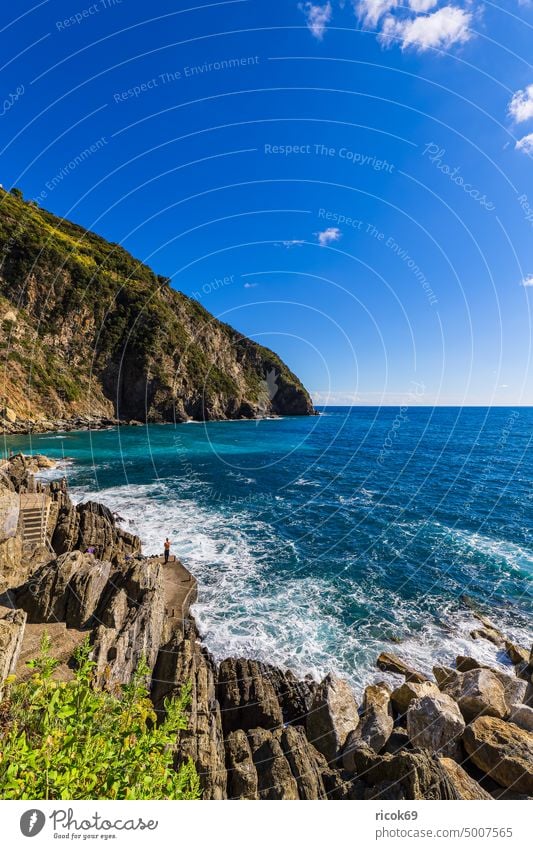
(167,549)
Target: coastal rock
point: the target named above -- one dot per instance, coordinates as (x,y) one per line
(516,654)
(131,613)
(398,741)
(501,750)
(12,624)
(247,696)
(434,722)
(91,525)
(67,589)
(402,696)
(405,775)
(294,696)
(465,786)
(490,634)
(477,692)
(181,662)
(391,663)
(242,774)
(522,715)
(375,723)
(307,765)
(274,777)
(332,717)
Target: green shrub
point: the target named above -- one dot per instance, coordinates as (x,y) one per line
(72,740)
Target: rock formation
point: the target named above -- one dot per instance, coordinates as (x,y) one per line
(256,731)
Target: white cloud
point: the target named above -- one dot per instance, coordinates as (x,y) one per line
(422,5)
(525,144)
(528,281)
(251,285)
(291,243)
(331,234)
(371,11)
(521,105)
(448,25)
(317,17)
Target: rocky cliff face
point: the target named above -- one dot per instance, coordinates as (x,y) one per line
(87,332)
(256,731)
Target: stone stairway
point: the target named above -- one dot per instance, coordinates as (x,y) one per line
(34,511)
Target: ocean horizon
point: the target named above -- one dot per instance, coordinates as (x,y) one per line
(318,542)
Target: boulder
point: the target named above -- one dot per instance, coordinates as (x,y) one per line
(522,715)
(402,696)
(375,723)
(502,751)
(247,696)
(398,741)
(12,624)
(478,692)
(391,663)
(434,722)
(491,634)
(467,788)
(332,717)
(516,653)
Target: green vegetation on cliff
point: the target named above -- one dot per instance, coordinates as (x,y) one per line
(70,740)
(86,329)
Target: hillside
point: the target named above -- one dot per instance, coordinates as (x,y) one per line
(86,330)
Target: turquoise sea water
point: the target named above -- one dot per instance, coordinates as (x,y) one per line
(317,542)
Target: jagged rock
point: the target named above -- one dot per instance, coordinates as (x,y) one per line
(466,787)
(405,775)
(516,653)
(491,634)
(391,663)
(398,741)
(242,774)
(375,723)
(521,715)
(181,661)
(294,696)
(307,765)
(446,676)
(247,696)
(332,717)
(501,750)
(274,777)
(402,696)
(131,613)
(65,590)
(435,722)
(12,624)
(482,690)
(464,663)
(91,525)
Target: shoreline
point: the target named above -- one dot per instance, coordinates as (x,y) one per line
(257,730)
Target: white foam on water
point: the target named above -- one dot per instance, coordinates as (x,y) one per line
(249,607)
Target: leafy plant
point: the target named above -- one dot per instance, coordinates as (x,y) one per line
(73,740)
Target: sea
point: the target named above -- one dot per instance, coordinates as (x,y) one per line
(319,542)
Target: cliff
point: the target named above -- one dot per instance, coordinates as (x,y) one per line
(255,731)
(88,332)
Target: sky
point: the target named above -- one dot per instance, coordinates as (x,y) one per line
(348,183)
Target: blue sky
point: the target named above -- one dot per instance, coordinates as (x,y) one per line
(348,183)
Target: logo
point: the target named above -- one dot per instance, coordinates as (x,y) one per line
(32,822)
